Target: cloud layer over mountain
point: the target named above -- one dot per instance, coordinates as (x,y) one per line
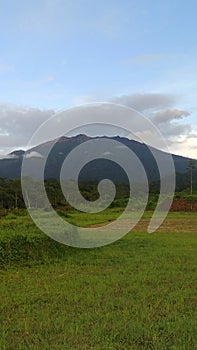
(17,124)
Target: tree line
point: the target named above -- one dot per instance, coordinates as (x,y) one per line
(11,195)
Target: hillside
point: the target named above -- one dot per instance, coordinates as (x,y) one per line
(10,167)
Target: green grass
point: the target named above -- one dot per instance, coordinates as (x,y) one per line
(137,293)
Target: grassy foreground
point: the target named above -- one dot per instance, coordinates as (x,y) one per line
(138,293)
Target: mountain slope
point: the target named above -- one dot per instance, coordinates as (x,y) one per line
(10,167)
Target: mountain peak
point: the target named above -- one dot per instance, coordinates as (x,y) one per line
(79,137)
(17,153)
(95,170)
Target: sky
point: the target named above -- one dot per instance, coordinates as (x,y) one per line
(57,54)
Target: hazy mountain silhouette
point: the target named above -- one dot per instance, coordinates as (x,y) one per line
(10,166)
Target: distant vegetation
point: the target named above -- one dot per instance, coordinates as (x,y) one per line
(11,193)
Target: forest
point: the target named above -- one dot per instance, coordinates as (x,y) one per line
(11,196)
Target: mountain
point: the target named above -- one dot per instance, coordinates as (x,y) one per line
(10,166)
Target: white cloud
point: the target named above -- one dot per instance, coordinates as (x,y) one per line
(147,58)
(80,100)
(185,145)
(161,110)
(107,153)
(33,154)
(146,101)
(17,125)
(167,115)
(8,156)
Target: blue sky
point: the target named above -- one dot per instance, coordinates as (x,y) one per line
(56,54)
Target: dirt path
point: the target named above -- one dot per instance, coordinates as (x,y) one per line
(169,225)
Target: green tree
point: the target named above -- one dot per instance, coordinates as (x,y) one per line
(15,189)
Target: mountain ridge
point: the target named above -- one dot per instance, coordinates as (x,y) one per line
(10,167)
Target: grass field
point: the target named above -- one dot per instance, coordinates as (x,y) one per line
(137,293)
